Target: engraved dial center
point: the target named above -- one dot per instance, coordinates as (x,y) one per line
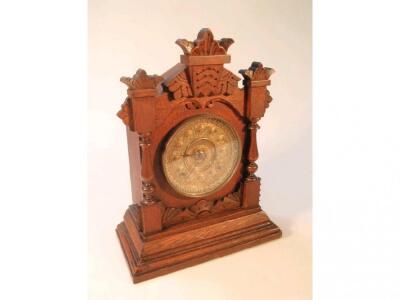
(201,156)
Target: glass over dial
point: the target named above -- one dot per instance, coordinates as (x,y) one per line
(201,156)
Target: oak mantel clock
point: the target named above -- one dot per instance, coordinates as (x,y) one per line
(192,153)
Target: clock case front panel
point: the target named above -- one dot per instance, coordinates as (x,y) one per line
(163,190)
(164,230)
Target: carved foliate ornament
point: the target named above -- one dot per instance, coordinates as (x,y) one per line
(125,113)
(257,72)
(204,74)
(142,81)
(201,208)
(205,44)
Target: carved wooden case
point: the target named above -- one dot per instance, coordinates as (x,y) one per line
(164,230)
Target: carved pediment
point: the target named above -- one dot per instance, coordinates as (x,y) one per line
(203,73)
(180,86)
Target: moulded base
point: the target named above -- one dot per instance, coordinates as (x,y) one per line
(185,245)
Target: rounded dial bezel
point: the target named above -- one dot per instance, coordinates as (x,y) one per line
(175,132)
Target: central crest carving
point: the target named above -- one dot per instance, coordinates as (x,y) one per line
(205,44)
(201,71)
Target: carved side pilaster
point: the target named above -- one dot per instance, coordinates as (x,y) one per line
(256,79)
(139,113)
(139,110)
(150,206)
(146,172)
(252,155)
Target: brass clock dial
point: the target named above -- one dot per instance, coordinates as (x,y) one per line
(201,156)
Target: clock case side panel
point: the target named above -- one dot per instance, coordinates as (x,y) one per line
(134,165)
(138,113)
(256,80)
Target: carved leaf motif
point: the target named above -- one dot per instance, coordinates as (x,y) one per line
(174,215)
(268,99)
(226,42)
(227,203)
(257,72)
(185,45)
(141,80)
(180,86)
(125,113)
(192,104)
(201,208)
(206,79)
(205,44)
(228,82)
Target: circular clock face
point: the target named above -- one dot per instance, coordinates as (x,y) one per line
(201,156)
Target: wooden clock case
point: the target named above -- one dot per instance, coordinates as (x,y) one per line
(163,231)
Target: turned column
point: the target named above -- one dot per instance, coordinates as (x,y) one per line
(139,116)
(256,79)
(146,171)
